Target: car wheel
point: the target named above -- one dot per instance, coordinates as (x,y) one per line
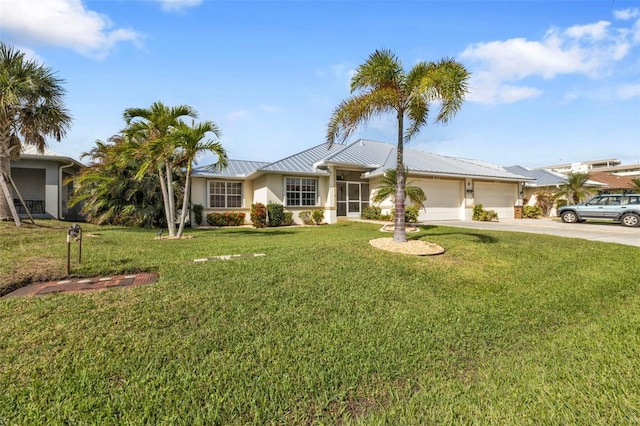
(569,217)
(630,219)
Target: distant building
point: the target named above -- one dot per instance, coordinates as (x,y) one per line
(611,165)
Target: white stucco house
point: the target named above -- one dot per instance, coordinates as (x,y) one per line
(341,180)
(40,181)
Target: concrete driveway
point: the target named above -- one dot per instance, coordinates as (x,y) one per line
(606,232)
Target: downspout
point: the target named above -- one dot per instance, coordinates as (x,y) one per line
(60,186)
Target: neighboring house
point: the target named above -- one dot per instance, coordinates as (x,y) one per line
(614,183)
(40,181)
(545,180)
(341,180)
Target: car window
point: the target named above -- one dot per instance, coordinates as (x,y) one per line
(614,201)
(633,199)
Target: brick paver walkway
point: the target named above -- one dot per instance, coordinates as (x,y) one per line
(77,285)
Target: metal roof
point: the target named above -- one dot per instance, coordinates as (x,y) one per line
(433,164)
(365,153)
(376,157)
(542,177)
(30,152)
(235,168)
(305,161)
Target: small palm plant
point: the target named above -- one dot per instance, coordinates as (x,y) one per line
(388,189)
(576,188)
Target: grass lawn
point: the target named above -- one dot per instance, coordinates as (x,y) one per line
(505,328)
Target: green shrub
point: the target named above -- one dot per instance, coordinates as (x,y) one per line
(259,215)
(275,214)
(482,215)
(305,216)
(288,218)
(371,213)
(561,203)
(198,209)
(318,216)
(411,214)
(531,212)
(226,219)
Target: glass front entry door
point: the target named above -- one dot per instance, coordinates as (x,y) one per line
(352,198)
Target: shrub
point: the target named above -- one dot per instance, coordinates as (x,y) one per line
(305,216)
(275,215)
(318,216)
(288,218)
(531,212)
(544,200)
(482,215)
(411,214)
(259,215)
(198,209)
(371,213)
(226,219)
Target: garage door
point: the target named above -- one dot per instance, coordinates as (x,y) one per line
(444,199)
(500,197)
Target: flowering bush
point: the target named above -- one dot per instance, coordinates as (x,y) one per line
(259,215)
(226,219)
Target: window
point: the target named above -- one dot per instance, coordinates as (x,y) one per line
(301,191)
(225,194)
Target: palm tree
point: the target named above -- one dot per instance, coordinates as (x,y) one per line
(110,191)
(382,87)
(190,143)
(576,188)
(388,188)
(154,125)
(635,184)
(31,109)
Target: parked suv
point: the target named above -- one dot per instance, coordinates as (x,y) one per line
(616,207)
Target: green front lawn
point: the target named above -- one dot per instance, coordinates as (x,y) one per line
(505,328)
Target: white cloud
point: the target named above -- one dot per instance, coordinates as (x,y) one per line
(178,5)
(591,50)
(596,31)
(341,73)
(236,115)
(626,14)
(65,23)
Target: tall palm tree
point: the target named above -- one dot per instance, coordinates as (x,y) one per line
(154,125)
(388,188)
(191,142)
(382,87)
(576,188)
(635,184)
(31,109)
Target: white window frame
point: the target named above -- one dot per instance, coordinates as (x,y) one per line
(300,192)
(226,194)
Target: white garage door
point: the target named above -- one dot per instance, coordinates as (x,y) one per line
(444,199)
(500,197)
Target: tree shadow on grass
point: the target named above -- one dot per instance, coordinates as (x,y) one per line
(253,232)
(482,238)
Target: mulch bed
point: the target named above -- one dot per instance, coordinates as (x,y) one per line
(79,285)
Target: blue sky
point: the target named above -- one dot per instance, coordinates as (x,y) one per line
(553,82)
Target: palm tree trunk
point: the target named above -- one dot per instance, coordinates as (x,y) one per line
(5,166)
(399,233)
(171,221)
(165,199)
(185,201)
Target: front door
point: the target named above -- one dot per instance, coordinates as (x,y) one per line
(352,198)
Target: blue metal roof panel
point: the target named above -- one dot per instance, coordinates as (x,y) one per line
(542,177)
(235,168)
(304,161)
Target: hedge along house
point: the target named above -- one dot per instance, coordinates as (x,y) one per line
(40,180)
(341,179)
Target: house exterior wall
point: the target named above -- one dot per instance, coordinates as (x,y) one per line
(50,193)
